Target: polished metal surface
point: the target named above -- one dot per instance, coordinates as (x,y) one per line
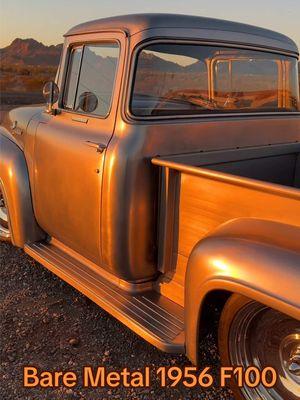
(202,27)
(4,224)
(15,188)
(100,147)
(64,160)
(256,258)
(111,217)
(293,359)
(152,316)
(127,186)
(263,337)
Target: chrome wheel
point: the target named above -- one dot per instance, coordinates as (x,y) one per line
(4,224)
(262,337)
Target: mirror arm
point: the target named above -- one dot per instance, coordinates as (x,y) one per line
(50,93)
(49,109)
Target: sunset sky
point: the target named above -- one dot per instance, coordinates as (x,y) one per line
(48,20)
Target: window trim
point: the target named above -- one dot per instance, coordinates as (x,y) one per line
(132,73)
(71,47)
(71,51)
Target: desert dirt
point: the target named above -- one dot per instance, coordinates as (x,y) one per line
(48,324)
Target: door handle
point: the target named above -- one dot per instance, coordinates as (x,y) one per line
(100,147)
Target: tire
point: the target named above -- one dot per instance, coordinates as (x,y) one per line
(251,334)
(4,221)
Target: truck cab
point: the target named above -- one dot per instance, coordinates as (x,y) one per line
(163,176)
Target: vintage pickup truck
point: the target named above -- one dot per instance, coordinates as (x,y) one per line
(163,177)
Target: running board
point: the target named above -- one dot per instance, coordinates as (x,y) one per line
(149,314)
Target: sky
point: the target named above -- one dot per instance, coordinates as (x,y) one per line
(47,20)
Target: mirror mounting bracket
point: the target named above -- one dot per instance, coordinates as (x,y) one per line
(52,111)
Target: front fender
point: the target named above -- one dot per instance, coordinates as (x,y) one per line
(15,186)
(255,258)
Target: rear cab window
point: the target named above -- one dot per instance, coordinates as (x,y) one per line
(90,78)
(186,79)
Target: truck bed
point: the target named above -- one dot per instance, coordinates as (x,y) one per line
(200,191)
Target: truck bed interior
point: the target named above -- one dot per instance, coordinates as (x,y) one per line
(194,202)
(278,164)
(283,169)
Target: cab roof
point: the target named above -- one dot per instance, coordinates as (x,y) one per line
(230,31)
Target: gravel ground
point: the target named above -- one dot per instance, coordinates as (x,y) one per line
(48,324)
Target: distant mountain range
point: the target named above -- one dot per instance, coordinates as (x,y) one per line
(30,52)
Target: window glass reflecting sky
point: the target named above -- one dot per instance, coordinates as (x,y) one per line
(48,20)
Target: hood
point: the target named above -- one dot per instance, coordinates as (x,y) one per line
(15,122)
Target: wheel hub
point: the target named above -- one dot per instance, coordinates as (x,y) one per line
(290,356)
(294,366)
(265,337)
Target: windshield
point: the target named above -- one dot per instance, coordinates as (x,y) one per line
(182,79)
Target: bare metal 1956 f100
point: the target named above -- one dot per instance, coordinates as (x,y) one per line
(162,180)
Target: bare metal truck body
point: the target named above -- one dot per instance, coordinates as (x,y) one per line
(166,178)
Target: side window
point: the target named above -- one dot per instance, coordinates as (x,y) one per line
(90,81)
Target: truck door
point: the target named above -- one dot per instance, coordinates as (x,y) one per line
(70,148)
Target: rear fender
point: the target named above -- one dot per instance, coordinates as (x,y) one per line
(14,181)
(255,258)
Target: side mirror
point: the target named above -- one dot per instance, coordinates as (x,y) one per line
(50,93)
(88,102)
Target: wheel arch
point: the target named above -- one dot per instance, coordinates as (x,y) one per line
(231,262)
(15,186)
